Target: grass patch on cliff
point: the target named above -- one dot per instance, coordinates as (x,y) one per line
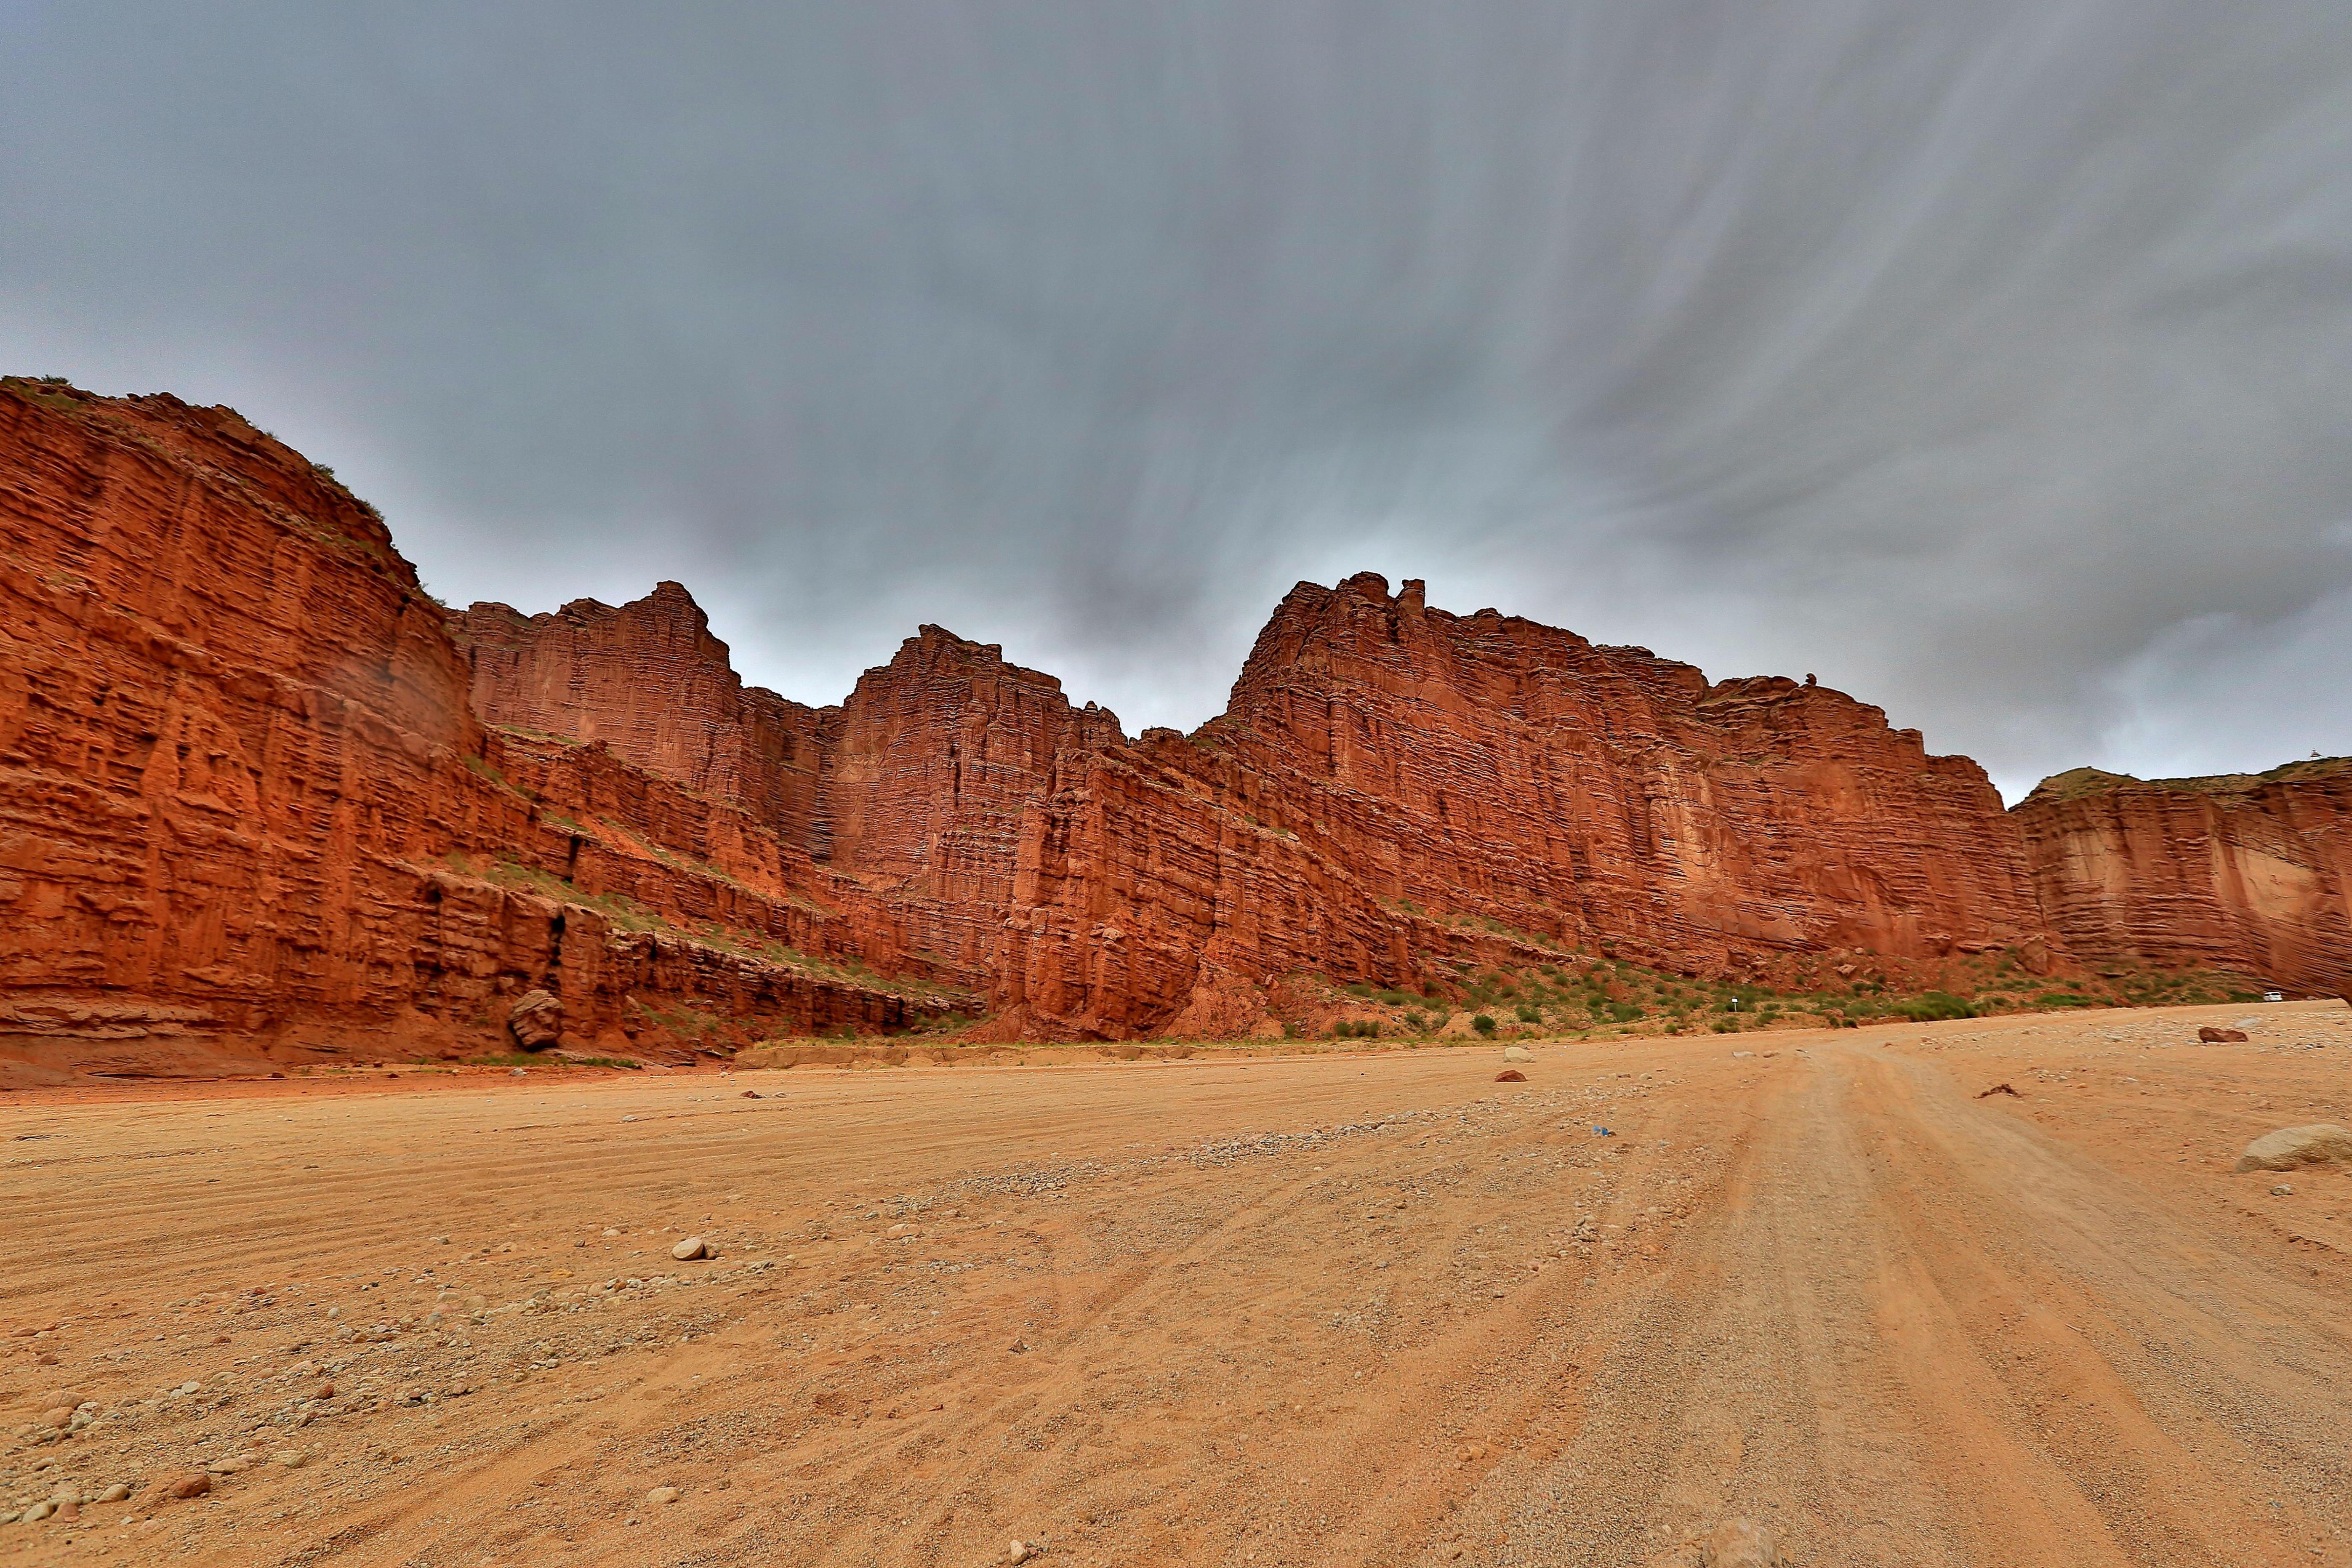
(1592,996)
(627,914)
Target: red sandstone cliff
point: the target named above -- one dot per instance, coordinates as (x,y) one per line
(1387,772)
(243,793)
(908,796)
(930,765)
(2251,873)
(250,787)
(650,681)
(1395,790)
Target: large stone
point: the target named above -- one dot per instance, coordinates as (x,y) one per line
(2292,1148)
(1739,1543)
(536,1020)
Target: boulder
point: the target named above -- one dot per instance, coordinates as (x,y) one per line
(2291,1148)
(536,1020)
(2209,1036)
(1739,1543)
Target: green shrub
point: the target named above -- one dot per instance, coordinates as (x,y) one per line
(1529,1013)
(1395,999)
(2063,999)
(1933,1006)
(1365,1030)
(1484,1022)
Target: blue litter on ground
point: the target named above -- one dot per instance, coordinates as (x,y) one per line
(1602,1132)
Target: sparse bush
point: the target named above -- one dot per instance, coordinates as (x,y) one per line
(1933,1006)
(1529,1013)
(1364,1030)
(1484,1022)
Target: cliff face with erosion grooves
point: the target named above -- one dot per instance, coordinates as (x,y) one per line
(244,799)
(1386,769)
(912,791)
(2251,873)
(649,681)
(929,767)
(250,790)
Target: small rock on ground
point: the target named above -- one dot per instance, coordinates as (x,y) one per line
(1739,1543)
(2289,1148)
(692,1248)
(2209,1036)
(663,1495)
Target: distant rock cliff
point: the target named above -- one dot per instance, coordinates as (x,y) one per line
(260,786)
(244,797)
(2249,872)
(649,681)
(1390,779)
(1386,773)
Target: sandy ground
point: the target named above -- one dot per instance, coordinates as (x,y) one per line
(1339,1311)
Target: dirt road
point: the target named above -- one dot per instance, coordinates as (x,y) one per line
(1340,1311)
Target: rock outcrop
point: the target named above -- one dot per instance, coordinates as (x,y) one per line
(259,784)
(243,794)
(1395,789)
(2249,873)
(649,681)
(1394,792)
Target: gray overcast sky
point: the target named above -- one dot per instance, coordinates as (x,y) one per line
(1992,360)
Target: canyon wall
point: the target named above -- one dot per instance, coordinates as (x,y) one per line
(1393,792)
(1393,787)
(648,681)
(2250,873)
(257,783)
(243,790)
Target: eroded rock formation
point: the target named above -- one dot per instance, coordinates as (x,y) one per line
(1394,788)
(243,792)
(2250,873)
(1394,791)
(257,784)
(649,681)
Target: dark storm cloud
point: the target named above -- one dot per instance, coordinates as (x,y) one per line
(1988,359)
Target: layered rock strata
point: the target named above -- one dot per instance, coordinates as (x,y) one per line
(242,790)
(257,781)
(2249,873)
(1394,791)
(1393,787)
(649,681)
